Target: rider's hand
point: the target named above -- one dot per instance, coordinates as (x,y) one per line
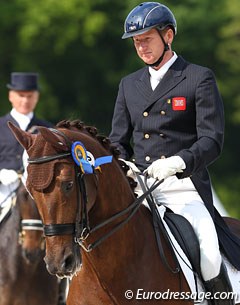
(131,165)
(8,176)
(132,168)
(164,168)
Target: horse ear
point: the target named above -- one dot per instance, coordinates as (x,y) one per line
(56,140)
(23,137)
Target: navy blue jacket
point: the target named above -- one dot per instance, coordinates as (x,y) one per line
(183,116)
(10,150)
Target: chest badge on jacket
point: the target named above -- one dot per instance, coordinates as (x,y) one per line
(179,103)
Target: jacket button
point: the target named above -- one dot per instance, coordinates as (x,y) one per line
(162,112)
(146,136)
(163,157)
(145,113)
(147,158)
(161,135)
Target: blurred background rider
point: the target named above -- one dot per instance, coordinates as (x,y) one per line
(24,96)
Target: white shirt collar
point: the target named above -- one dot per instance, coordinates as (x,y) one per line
(157,75)
(22,119)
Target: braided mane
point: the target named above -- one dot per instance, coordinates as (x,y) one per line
(92,131)
(78,125)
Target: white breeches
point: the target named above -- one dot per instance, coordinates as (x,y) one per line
(182,198)
(7,192)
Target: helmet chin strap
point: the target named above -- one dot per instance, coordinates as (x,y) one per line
(166,48)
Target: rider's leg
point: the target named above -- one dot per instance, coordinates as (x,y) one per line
(189,204)
(220,283)
(201,221)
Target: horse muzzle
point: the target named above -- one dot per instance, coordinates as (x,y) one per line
(67,264)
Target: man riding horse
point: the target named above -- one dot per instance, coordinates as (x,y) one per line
(24,96)
(173,113)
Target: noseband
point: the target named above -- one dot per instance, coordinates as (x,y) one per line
(29,225)
(80,229)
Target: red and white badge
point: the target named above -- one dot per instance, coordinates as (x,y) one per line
(179,103)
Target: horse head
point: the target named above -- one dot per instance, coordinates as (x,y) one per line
(67,173)
(31,236)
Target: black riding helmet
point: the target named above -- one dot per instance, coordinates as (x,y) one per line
(146,16)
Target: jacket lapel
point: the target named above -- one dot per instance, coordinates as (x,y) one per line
(143,84)
(11,119)
(172,78)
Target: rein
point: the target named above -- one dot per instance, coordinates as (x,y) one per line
(133,208)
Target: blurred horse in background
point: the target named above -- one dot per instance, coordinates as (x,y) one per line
(24,279)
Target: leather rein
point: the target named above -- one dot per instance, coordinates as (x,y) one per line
(81,229)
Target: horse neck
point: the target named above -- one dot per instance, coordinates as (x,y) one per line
(115,195)
(129,249)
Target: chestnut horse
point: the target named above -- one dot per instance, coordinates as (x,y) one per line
(85,199)
(24,279)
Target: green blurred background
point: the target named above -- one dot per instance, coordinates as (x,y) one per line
(76,47)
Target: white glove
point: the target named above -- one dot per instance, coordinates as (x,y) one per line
(164,168)
(8,176)
(132,168)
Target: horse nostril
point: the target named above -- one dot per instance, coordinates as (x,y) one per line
(68,263)
(31,256)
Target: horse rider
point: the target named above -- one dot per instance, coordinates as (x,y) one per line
(24,96)
(169,115)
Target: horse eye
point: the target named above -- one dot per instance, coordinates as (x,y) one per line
(67,186)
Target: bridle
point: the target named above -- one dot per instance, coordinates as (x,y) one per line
(81,229)
(30,225)
(76,228)
(25,224)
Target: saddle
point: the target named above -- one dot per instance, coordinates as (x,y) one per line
(182,231)
(184,234)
